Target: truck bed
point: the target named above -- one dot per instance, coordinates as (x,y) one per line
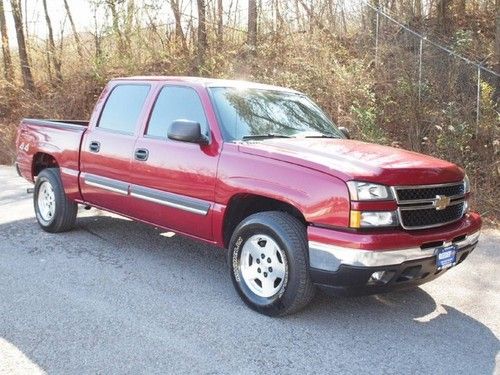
(68,124)
(61,139)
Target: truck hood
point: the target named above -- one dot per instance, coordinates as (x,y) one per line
(355,160)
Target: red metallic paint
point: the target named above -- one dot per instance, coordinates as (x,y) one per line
(394,239)
(63,146)
(176,167)
(321,198)
(355,160)
(374,206)
(112,161)
(309,174)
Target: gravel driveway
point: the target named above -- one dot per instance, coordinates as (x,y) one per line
(114,296)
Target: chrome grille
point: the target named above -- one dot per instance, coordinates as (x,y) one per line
(417,205)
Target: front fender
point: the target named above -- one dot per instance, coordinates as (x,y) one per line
(321,198)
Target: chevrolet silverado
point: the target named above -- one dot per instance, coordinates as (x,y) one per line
(260,171)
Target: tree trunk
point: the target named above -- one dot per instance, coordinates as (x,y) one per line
(48,60)
(116,26)
(497,36)
(342,14)
(443,12)
(179,33)
(96,34)
(52,46)
(21,42)
(26,30)
(418,10)
(252,26)
(129,22)
(7,60)
(202,35)
(279,17)
(497,49)
(220,23)
(73,28)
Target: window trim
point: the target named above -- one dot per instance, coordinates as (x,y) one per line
(160,90)
(118,131)
(215,107)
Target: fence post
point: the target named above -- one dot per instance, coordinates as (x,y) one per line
(478,104)
(420,70)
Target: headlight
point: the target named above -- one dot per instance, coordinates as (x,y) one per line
(366,191)
(466,184)
(371,219)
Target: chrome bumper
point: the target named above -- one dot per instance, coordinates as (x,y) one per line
(331,257)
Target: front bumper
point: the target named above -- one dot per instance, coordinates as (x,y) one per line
(342,270)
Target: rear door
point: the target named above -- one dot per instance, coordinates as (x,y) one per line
(108,148)
(174,182)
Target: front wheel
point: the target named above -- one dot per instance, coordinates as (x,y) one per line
(54,211)
(268,259)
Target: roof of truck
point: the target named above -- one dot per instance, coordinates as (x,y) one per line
(206,82)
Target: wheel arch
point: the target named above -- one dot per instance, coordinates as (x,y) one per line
(41,161)
(242,205)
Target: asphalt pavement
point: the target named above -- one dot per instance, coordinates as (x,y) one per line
(115,296)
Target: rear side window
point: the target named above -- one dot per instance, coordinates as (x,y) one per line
(123,107)
(175,103)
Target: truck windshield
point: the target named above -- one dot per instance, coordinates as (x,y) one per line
(260,114)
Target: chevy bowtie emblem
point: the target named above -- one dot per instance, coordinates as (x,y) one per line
(441,202)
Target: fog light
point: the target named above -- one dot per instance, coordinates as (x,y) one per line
(377,276)
(380,277)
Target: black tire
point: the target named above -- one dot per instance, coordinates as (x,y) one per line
(290,235)
(65,210)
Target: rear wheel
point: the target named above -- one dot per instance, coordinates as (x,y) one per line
(54,211)
(269,263)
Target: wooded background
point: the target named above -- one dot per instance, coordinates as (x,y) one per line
(417,74)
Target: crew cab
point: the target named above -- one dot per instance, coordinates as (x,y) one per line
(263,172)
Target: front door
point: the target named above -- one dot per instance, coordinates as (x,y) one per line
(174,182)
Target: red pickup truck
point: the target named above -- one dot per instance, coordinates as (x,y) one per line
(261,171)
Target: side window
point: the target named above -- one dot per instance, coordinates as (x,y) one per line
(123,107)
(175,103)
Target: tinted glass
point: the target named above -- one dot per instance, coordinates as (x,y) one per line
(123,107)
(176,103)
(254,112)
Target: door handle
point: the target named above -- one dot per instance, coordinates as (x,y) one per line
(141,154)
(94,146)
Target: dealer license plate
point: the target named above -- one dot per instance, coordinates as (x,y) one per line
(446,256)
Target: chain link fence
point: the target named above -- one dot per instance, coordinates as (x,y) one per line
(448,104)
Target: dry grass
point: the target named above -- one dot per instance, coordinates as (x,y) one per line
(337,73)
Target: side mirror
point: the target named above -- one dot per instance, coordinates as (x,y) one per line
(187,131)
(345,131)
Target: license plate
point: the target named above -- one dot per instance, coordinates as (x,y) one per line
(446,256)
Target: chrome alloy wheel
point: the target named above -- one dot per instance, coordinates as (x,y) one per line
(263,265)
(46,201)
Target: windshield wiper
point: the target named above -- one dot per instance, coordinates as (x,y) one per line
(264,136)
(321,136)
